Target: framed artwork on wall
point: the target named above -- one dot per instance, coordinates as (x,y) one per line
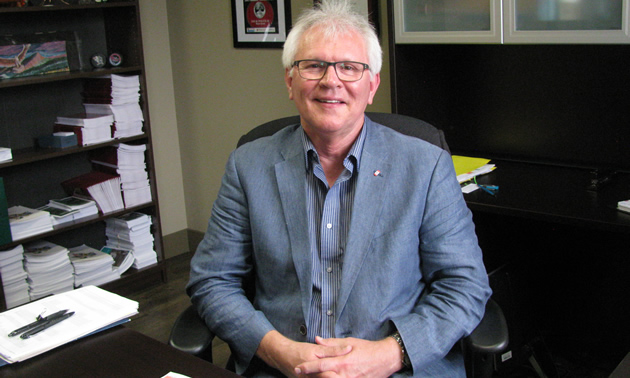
(260,23)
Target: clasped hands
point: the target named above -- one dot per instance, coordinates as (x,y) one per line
(346,357)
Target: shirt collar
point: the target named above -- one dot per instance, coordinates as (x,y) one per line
(355,150)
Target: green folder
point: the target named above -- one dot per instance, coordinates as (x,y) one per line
(5,227)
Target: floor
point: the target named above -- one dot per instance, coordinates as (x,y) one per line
(161,303)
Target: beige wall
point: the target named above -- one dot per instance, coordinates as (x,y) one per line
(219,93)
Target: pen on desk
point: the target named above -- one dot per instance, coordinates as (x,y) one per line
(45,325)
(39,321)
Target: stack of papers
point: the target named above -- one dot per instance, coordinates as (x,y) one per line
(49,269)
(128,162)
(132,231)
(5,154)
(624,206)
(89,128)
(14,276)
(467,168)
(70,209)
(103,187)
(27,222)
(94,309)
(123,102)
(91,266)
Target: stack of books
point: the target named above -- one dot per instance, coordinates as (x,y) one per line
(14,277)
(128,162)
(118,95)
(70,209)
(133,232)
(89,128)
(27,222)
(91,266)
(49,269)
(103,187)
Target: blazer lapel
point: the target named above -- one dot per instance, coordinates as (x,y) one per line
(368,203)
(291,186)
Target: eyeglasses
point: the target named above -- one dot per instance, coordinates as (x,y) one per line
(316,69)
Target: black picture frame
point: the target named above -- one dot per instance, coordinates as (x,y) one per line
(260,23)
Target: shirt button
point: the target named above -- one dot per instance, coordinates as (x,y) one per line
(329,312)
(329,226)
(329,270)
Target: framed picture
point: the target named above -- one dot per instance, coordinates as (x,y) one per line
(261,23)
(368,8)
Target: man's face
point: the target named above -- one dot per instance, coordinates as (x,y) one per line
(330,107)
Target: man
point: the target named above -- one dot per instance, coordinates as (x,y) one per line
(353,232)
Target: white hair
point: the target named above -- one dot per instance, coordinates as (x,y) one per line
(336,18)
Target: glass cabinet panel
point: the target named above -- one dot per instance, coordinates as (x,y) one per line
(447,21)
(566,21)
(569,14)
(446,15)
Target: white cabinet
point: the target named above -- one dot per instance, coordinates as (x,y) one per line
(511,21)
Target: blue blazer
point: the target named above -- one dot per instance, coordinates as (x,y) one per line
(411,263)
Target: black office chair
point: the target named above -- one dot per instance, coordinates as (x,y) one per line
(190,334)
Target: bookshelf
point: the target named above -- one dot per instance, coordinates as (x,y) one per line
(30,105)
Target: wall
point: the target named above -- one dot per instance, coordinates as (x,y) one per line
(163,119)
(222,92)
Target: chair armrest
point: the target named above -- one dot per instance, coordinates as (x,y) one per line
(191,335)
(491,335)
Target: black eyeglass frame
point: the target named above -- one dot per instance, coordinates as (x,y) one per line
(328,64)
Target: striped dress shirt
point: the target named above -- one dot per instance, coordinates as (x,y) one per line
(329,212)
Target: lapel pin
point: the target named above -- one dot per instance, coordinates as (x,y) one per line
(377,173)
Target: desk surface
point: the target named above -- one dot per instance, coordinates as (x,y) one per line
(118,352)
(555,194)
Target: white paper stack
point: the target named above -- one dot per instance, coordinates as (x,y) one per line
(14,276)
(132,231)
(128,162)
(78,208)
(624,206)
(94,309)
(49,269)
(27,222)
(124,106)
(89,128)
(5,154)
(91,266)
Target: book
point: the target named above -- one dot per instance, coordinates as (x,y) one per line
(14,276)
(128,162)
(123,258)
(91,266)
(132,231)
(86,136)
(48,267)
(104,188)
(26,222)
(87,120)
(94,309)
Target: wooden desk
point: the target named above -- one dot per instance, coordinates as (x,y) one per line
(553,194)
(118,352)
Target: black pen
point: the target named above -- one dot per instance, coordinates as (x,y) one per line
(45,325)
(39,321)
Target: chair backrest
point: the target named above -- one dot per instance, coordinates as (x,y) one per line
(401,123)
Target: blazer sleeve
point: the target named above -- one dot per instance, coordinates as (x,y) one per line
(452,267)
(220,268)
